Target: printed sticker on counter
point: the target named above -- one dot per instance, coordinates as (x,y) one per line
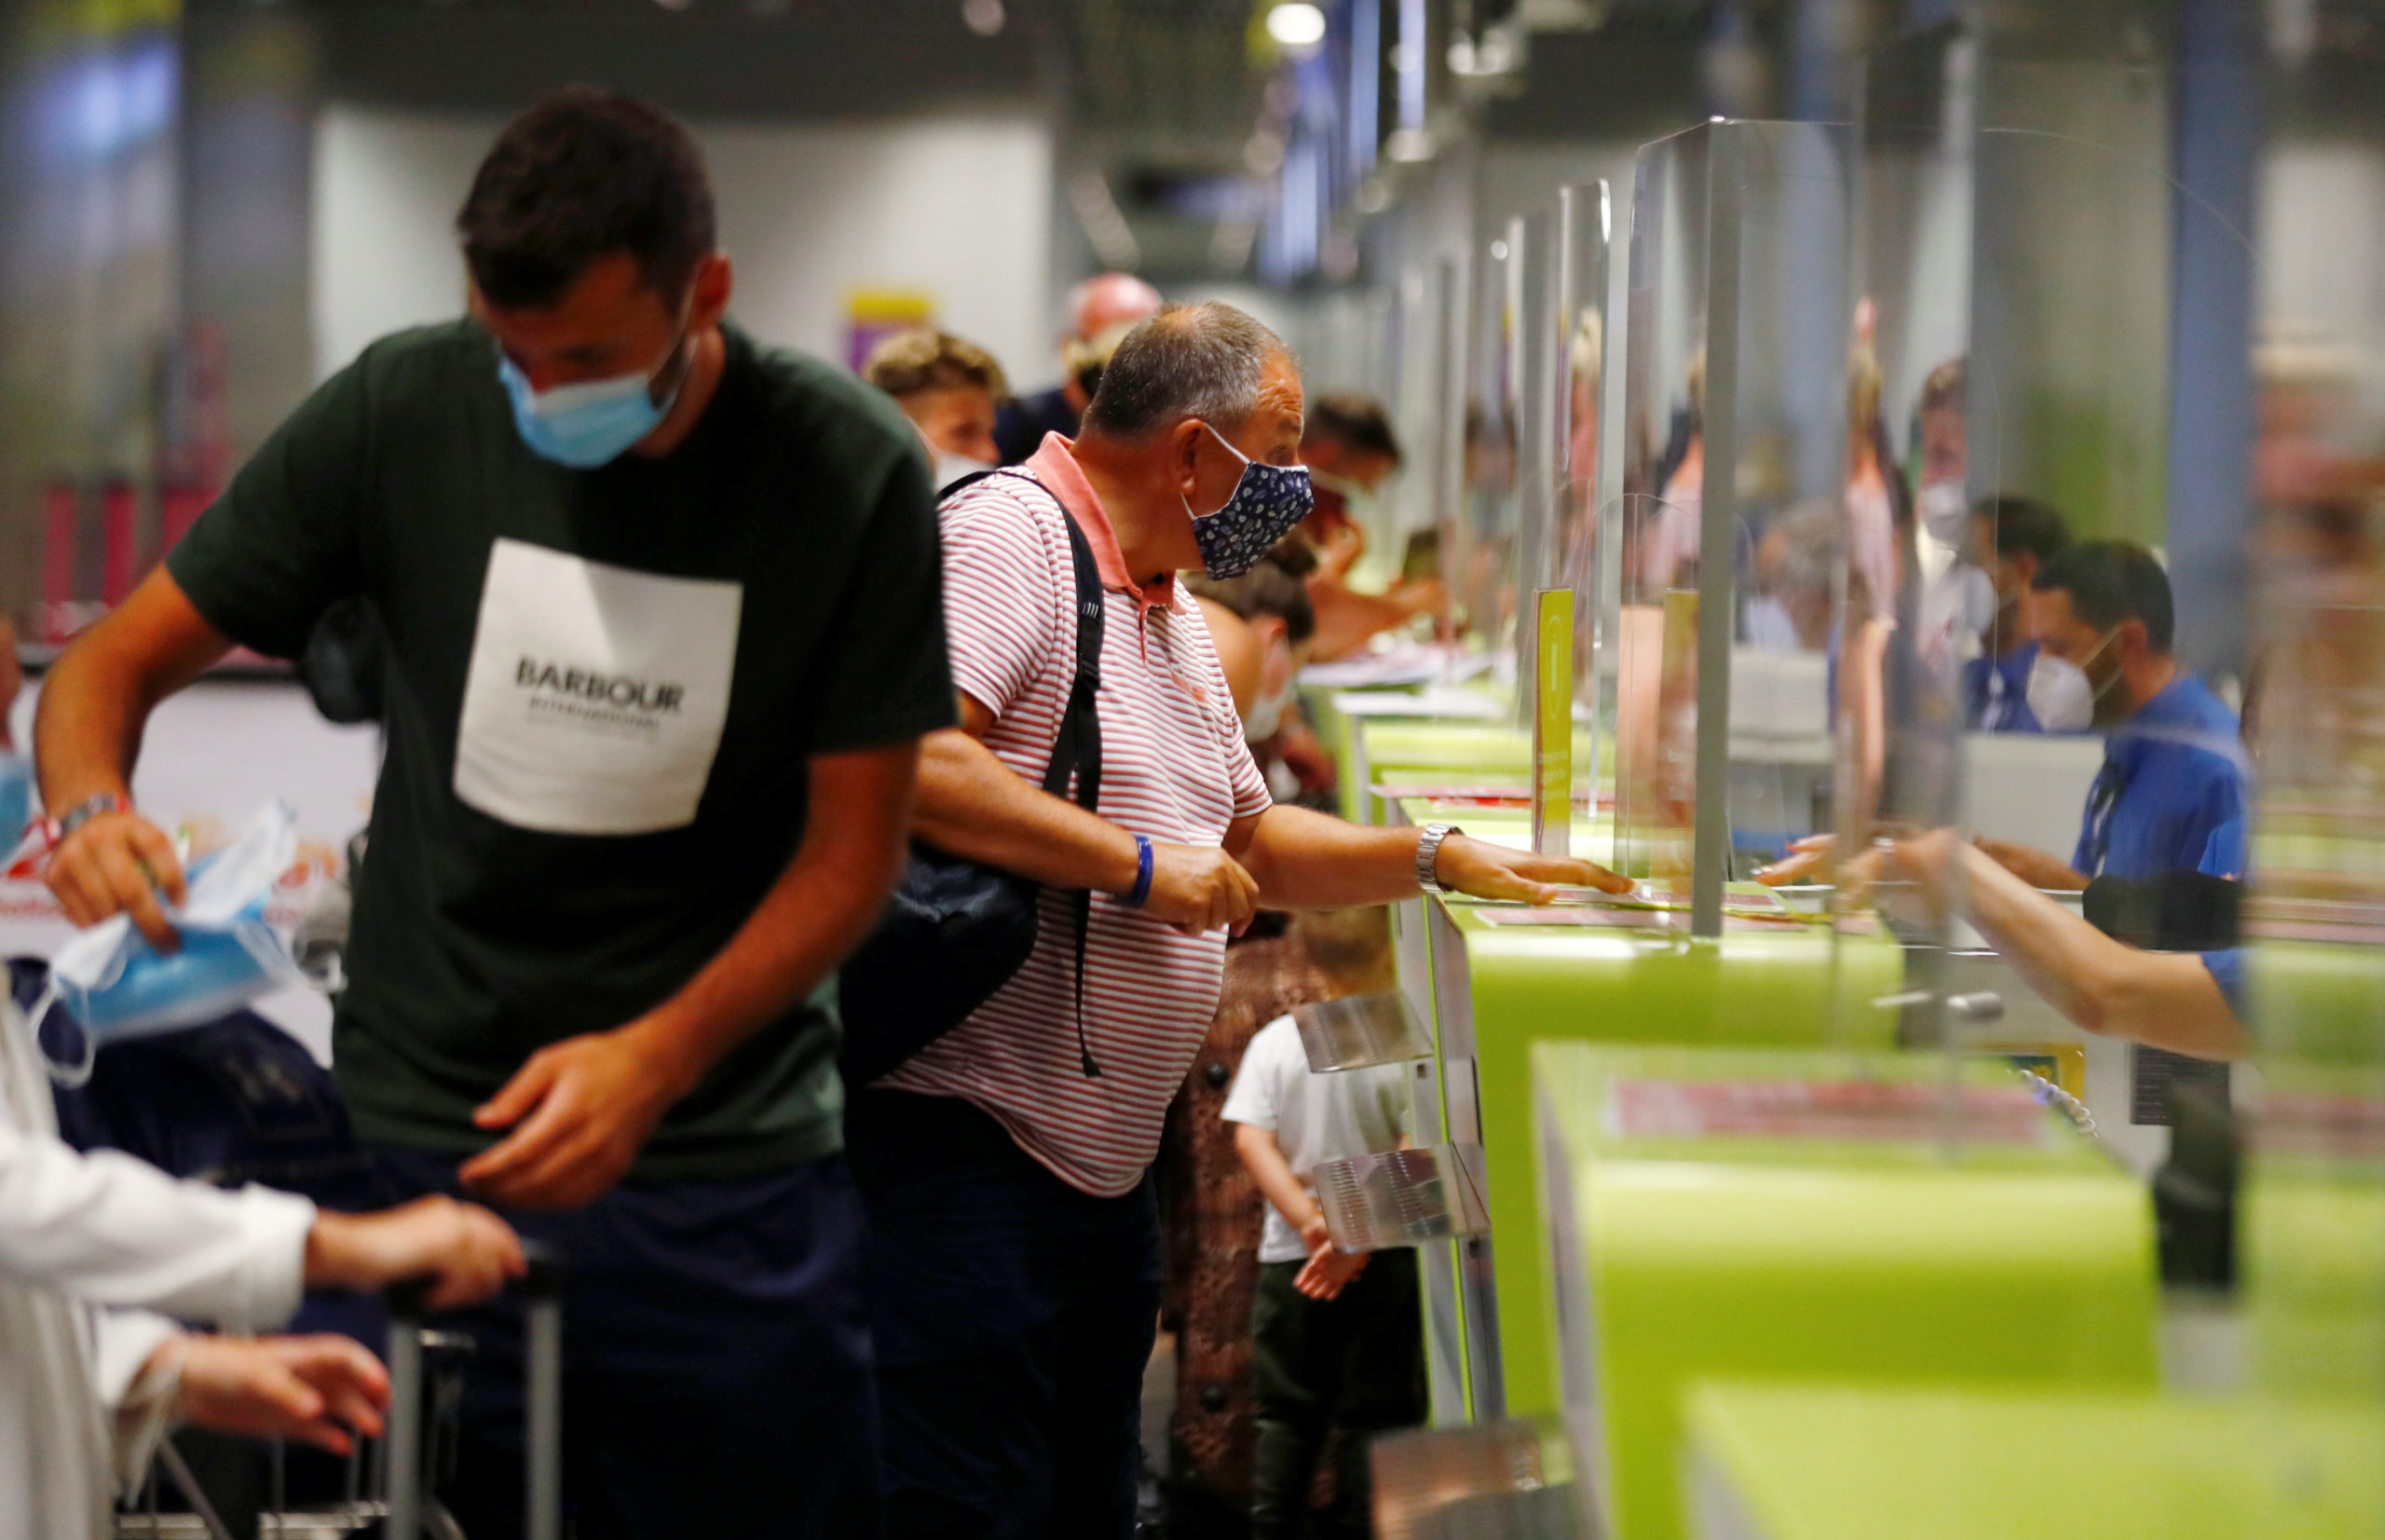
(1829,1111)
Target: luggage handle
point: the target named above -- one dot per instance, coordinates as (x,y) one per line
(541,1288)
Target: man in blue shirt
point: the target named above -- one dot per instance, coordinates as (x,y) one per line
(2175,771)
(2011,539)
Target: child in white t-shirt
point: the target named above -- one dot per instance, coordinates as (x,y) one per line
(1337,1337)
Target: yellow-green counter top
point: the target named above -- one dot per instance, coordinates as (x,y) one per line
(1835,1462)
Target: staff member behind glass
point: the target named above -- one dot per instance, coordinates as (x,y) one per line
(663,633)
(2174,786)
(2012,539)
(2173,789)
(1014,1243)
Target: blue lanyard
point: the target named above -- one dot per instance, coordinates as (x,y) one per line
(2102,798)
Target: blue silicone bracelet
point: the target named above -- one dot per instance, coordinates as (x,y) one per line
(1141,891)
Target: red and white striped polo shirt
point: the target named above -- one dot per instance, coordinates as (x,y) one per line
(1173,767)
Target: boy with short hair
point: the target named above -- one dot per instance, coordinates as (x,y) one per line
(1337,1337)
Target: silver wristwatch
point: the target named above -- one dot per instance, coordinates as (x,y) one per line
(1428,856)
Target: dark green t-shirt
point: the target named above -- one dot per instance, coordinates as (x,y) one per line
(603,688)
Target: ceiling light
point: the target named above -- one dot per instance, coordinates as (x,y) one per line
(983,17)
(1295,24)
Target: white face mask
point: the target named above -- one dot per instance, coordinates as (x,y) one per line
(2061,695)
(1266,717)
(1944,511)
(1356,499)
(951,467)
(1980,602)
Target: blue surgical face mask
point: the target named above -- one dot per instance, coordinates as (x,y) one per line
(1268,501)
(593,423)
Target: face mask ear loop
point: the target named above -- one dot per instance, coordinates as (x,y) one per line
(67,1076)
(270,953)
(2097,692)
(682,355)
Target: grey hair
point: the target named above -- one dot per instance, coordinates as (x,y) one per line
(1814,545)
(1189,361)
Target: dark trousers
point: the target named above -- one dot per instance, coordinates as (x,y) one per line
(1013,1316)
(716,1369)
(1354,1362)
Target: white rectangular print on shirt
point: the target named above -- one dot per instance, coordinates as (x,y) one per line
(597,694)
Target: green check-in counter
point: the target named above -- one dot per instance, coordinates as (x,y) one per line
(1836,1463)
(2310,1232)
(1494,980)
(2310,1216)
(1850,1218)
(1375,747)
(1341,718)
(1405,755)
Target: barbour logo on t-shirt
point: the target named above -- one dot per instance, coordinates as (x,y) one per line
(596,695)
(614,689)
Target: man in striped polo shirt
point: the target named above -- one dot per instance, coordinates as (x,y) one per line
(1014,1254)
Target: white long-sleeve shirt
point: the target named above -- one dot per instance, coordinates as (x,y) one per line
(90,1244)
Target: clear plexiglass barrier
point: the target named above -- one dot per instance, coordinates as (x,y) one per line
(2119,790)
(1731,527)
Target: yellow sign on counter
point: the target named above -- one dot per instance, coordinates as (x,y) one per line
(1552,726)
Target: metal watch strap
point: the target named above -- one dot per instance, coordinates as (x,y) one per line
(1428,855)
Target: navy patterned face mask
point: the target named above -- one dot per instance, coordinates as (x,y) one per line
(1267,502)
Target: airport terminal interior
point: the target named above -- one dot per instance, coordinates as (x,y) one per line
(1460,997)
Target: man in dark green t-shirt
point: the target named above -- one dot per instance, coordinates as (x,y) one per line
(664,631)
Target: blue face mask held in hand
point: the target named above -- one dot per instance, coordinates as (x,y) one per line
(1267,502)
(117,986)
(16,799)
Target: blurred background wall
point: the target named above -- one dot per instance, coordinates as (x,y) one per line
(953,207)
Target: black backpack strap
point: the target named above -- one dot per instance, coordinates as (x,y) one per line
(958,482)
(1078,744)
(1076,749)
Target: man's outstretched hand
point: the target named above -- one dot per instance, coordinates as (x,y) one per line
(1480,870)
(1806,857)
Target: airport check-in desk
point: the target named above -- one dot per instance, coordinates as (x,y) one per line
(1487,981)
(1640,1270)
(1495,980)
(1799,1215)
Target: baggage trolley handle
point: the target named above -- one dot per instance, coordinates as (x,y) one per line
(541,1288)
